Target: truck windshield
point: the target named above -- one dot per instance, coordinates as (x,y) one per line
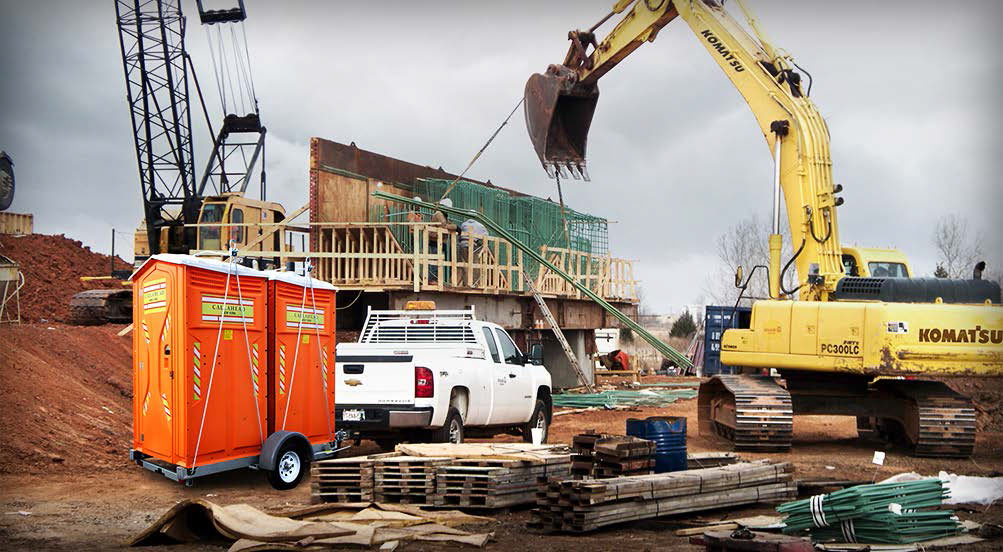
(209,236)
(887,270)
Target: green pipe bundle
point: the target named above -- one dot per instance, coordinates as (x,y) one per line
(892,528)
(610,399)
(880,513)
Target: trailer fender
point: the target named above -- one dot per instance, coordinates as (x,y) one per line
(275,441)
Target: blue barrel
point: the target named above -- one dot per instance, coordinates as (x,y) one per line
(669,435)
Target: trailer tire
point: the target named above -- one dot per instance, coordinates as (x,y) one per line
(451,430)
(291,465)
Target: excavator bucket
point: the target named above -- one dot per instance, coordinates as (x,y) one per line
(558,115)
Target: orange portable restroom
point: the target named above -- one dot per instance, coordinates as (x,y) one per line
(301,342)
(200,401)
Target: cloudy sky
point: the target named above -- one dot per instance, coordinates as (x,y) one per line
(911,92)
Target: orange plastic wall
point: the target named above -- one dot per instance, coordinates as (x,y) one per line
(174,343)
(301,360)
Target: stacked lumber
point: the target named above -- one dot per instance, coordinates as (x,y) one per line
(406,479)
(342,480)
(495,483)
(695,460)
(600,455)
(585,505)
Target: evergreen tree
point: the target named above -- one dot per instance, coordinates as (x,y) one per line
(684,326)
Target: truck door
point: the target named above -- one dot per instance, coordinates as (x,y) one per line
(513,395)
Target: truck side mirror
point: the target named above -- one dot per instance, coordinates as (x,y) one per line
(536,354)
(739,273)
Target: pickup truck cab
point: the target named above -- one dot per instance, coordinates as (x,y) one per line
(427,375)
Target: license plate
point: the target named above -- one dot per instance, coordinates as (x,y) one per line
(353,415)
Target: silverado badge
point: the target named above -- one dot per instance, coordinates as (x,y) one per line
(353,382)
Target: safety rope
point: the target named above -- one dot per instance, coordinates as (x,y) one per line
(250,368)
(231,267)
(212,369)
(296,354)
(320,357)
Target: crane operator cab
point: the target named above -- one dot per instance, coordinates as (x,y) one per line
(224,218)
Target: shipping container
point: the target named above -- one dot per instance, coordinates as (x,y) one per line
(716,320)
(301,342)
(200,372)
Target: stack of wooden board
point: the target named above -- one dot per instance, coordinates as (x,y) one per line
(600,455)
(696,460)
(623,455)
(495,483)
(585,505)
(342,480)
(406,479)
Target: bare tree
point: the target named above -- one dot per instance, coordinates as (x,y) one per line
(958,250)
(746,243)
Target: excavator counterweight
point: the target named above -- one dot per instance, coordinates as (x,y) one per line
(558,116)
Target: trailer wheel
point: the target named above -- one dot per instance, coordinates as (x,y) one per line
(290,467)
(451,430)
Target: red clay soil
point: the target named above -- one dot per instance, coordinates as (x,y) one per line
(52,267)
(65,397)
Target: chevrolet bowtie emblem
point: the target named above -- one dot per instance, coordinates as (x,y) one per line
(353,382)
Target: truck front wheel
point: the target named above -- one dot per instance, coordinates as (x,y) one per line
(539,420)
(451,430)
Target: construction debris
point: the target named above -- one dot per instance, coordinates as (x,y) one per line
(315,528)
(963,489)
(580,506)
(728,541)
(616,398)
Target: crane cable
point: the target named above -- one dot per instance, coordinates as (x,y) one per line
(480,151)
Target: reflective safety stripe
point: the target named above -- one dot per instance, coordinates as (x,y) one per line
(146,333)
(146,403)
(282,369)
(167,329)
(167,408)
(254,367)
(323,365)
(196,372)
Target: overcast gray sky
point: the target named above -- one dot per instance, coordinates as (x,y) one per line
(911,92)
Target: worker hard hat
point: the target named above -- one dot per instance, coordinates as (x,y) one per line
(417,198)
(446,202)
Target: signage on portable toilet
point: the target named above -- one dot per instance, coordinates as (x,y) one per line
(199,363)
(301,312)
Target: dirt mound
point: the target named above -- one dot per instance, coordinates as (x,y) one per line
(52,267)
(66,397)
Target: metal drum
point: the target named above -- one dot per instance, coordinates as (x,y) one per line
(669,435)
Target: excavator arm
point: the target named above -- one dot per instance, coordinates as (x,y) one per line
(560,104)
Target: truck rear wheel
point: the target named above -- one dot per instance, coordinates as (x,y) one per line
(451,430)
(539,420)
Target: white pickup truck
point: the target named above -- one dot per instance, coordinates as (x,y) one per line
(438,376)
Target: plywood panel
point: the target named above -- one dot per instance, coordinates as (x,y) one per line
(340,199)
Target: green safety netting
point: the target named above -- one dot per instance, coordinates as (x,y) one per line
(533,221)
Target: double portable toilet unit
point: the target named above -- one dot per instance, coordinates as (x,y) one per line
(232,368)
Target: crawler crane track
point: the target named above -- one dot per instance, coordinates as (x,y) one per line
(753,412)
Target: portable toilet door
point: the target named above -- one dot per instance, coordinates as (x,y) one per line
(301,357)
(159,296)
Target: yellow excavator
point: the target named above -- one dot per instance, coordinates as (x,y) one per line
(849,336)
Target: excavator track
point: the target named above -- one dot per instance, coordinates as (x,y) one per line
(753,412)
(939,422)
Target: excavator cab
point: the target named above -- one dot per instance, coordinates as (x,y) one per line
(559,113)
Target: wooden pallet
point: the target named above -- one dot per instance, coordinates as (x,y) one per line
(585,505)
(406,479)
(488,483)
(600,455)
(342,480)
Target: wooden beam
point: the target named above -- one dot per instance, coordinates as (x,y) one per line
(268,233)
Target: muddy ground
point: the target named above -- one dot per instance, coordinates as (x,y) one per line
(66,425)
